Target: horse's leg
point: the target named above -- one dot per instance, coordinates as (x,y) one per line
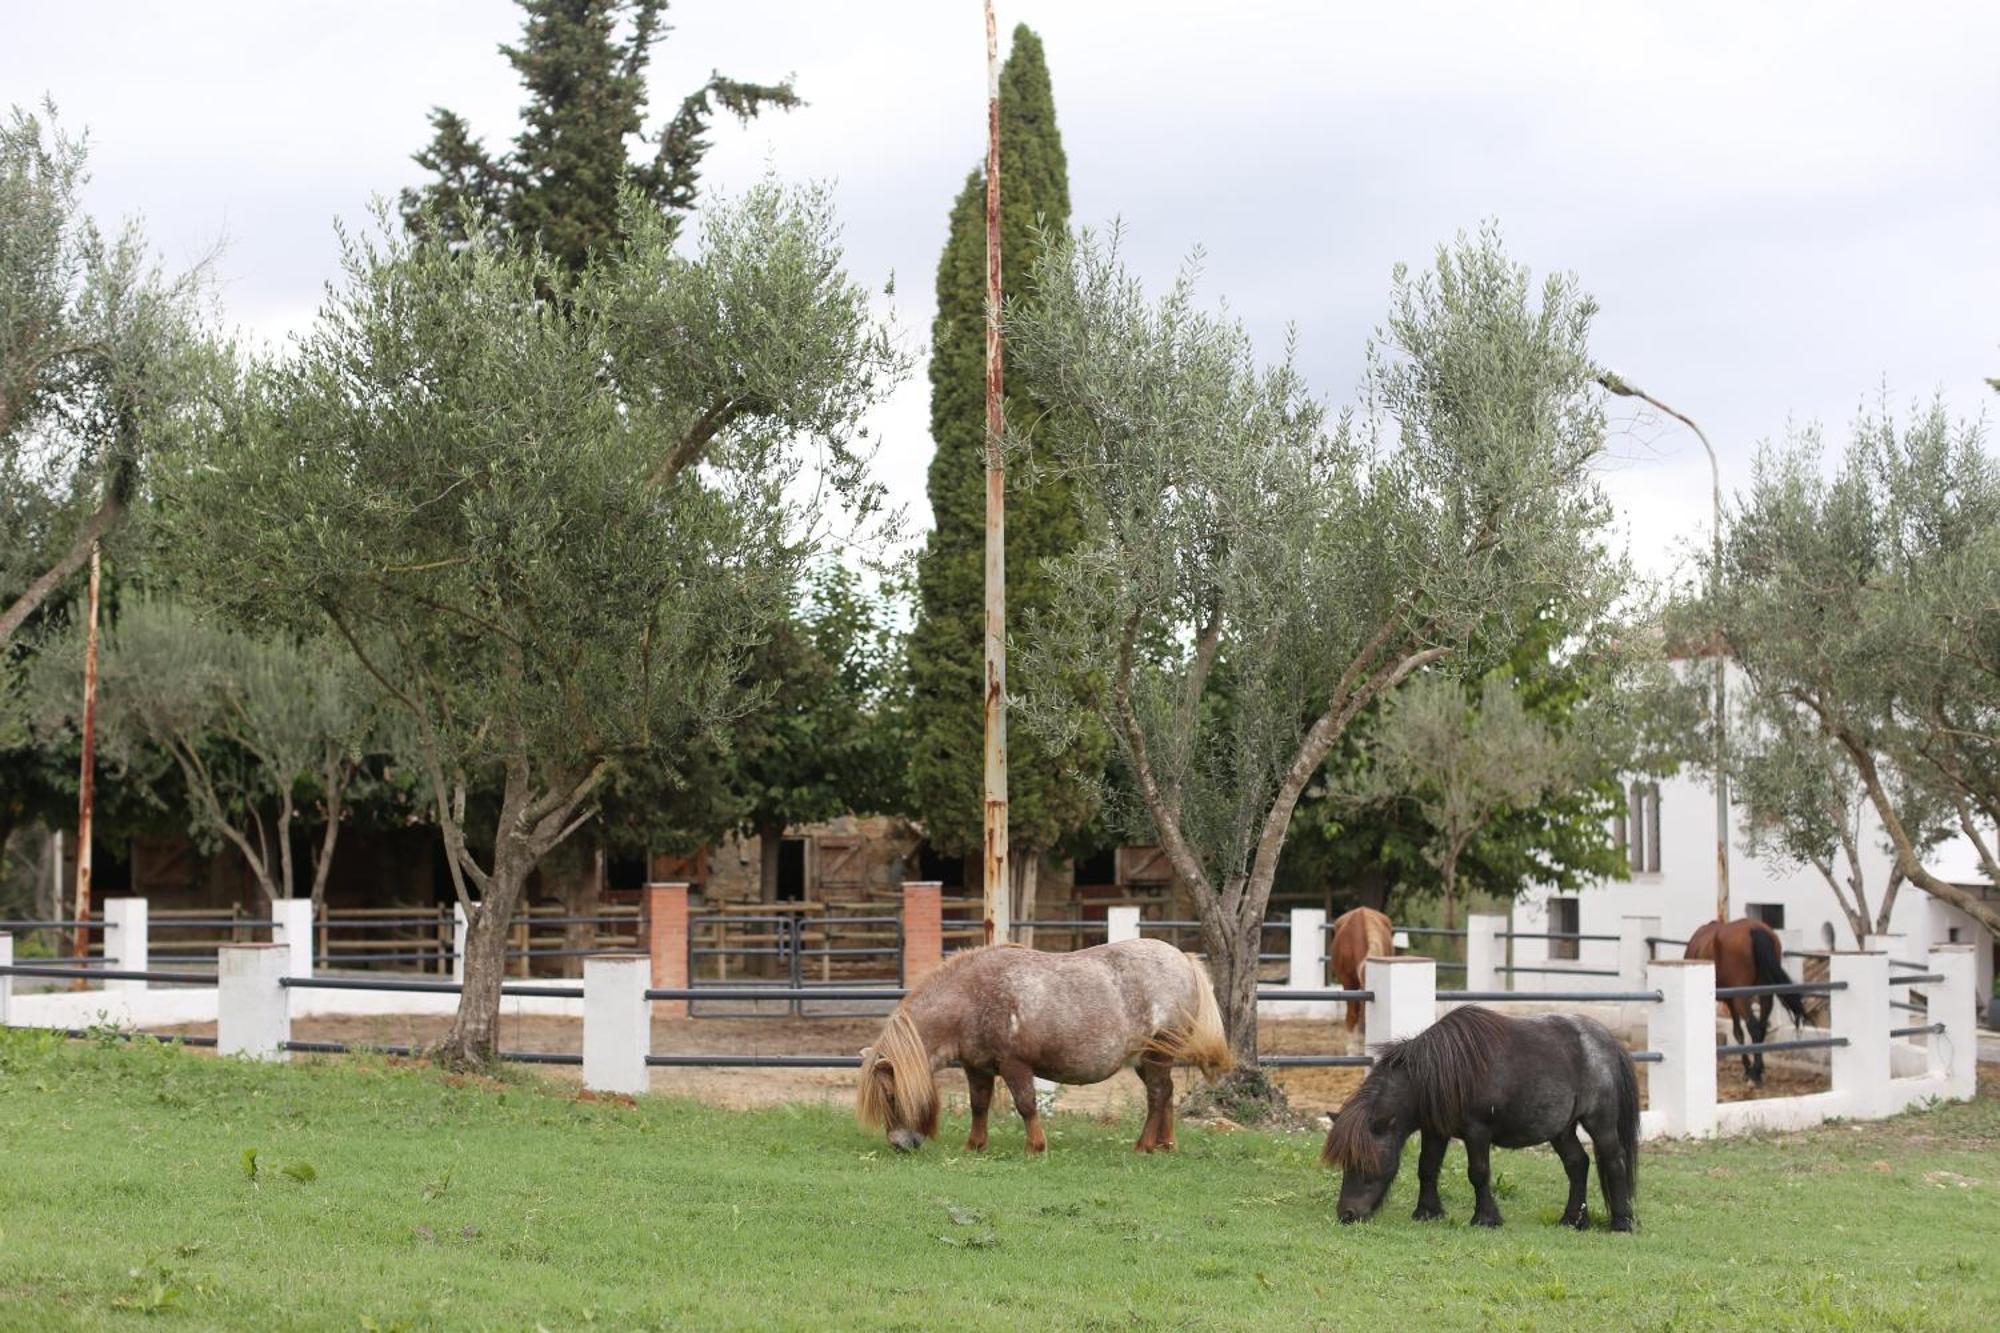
(1761,1030)
(1158,1076)
(1021,1082)
(1614,1173)
(1736,1011)
(979,1082)
(1478,1170)
(1149,1133)
(1430,1160)
(1577,1163)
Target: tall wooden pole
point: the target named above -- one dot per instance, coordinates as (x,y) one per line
(86,783)
(995,880)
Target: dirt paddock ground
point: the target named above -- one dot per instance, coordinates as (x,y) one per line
(1310,1091)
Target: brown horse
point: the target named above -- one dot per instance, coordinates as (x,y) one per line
(1747,952)
(1017,1014)
(1358,935)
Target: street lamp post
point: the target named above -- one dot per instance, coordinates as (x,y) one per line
(1624,389)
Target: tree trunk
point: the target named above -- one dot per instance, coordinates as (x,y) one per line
(1232,966)
(1449,873)
(474,1039)
(770,850)
(1024,868)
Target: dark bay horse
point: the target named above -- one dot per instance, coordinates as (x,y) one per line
(1746,952)
(1016,1014)
(1489,1079)
(1358,935)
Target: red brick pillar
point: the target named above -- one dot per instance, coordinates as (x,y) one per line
(923,930)
(667,941)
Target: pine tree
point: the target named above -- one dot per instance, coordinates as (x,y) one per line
(1052,796)
(583,63)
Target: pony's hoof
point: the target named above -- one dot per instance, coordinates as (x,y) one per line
(1486,1219)
(1623,1224)
(1423,1214)
(975,1145)
(1580,1219)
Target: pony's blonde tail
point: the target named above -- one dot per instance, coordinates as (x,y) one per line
(1202,1042)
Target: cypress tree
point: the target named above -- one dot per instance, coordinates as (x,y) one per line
(583,63)
(1052,797)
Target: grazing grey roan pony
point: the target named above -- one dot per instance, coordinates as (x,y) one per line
(1489,1079)
(1016,1014)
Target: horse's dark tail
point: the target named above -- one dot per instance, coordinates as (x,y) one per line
(1628,1117)
(1767,959)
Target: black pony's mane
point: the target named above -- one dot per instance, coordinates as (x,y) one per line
(1446,1064)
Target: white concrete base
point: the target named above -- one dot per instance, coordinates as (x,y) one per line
(1779,1113)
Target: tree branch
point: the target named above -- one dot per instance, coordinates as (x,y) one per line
(107,516)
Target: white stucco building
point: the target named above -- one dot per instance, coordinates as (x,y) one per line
(1671,842)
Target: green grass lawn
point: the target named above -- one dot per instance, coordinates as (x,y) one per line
(390,1197)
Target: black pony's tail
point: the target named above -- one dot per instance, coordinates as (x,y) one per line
(1628,1118)
(1768,961)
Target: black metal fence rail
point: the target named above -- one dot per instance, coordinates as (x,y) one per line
(1554,935)
(1781,988)
(423,987)
(509,1057)
(1917,1031)
(108,974)
(1794,1044)
(1563,971)
(115,1034)
(1553,996)
(58,925)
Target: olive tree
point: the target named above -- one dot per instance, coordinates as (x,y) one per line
(1804,805)
(251,723)
(1864,599)
(1252,574)
(551,531)
(102,357)
(1464,762)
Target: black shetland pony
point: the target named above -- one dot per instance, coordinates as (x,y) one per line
(1489,1079)
(1746,952)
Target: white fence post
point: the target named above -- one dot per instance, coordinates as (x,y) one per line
(1634,954)
(1121,923)
(292,926)
(1483,951)
(1955,1003)
(617,1022)
(1681,1086)
(1860,1013)
(1309,943)
(125,948)
(458,943)
(6,982)
(253,1009)
(1405,1000)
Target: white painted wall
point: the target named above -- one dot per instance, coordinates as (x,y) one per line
(1682,895)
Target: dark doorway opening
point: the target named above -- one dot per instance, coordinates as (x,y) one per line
(792,870)
(933,868)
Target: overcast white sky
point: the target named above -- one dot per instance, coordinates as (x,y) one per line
(1781,207)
